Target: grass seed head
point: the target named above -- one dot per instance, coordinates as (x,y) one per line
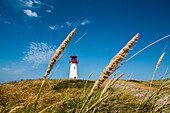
(58,52)
(159,61)
(115,62)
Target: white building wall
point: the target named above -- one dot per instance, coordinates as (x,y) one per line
(73,70)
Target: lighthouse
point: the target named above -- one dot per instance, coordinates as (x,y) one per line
(73,67)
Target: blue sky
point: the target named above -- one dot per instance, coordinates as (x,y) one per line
(31,31)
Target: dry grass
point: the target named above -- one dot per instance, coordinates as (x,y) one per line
(159,61)
(23,93)
(108,84)
(58,52)
(66,95)
(52,62)
(157,65)
(113,64)
(57,92)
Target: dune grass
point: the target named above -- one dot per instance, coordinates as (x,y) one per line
(84,96)
(64,95)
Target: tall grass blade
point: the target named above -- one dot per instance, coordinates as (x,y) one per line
(113,63)
(52,62)
(66,52)
(157,65)
(85,85)
(108,84)
(18,107)
(140,52)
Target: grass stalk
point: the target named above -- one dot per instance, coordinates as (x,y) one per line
(84,89)
(116,79)
(52,62)
(58,52)
(140,52)
(65,53)
(94,110)
(153,96)
(38,96)
(98,102)
(128,75)
(115,61)
(109,106)
(104,99)
(108,84)
(18,107)
(85,85)
(157,65)
(51,106)
(107,71)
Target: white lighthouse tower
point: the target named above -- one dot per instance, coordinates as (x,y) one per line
(73,67)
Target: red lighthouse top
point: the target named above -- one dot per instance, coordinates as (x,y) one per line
(73,59)
(73,56)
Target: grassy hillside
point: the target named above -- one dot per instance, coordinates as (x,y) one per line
(65,95)
(23,93)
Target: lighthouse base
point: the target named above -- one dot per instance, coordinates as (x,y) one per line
(73,70)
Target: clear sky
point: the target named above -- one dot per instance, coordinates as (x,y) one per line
(31,31)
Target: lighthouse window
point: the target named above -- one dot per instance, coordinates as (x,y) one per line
(74,67)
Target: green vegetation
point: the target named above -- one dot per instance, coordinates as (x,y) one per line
(66,95)
(80,96)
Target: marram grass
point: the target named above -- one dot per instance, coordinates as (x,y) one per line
(108,84)
(58,52)
(157,65)
(96,99)
(113,64)
(52,62)
(69,97)
(115,61)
